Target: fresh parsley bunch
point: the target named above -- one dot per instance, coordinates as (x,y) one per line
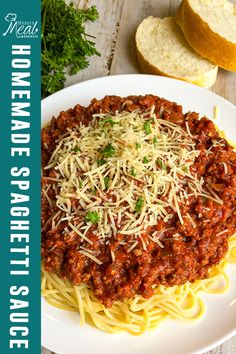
(64,42)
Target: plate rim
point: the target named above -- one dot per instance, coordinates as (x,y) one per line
(111,77)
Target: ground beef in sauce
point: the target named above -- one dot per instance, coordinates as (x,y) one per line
(201,244)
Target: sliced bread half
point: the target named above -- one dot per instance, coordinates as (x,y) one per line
(210,28)
(163,50)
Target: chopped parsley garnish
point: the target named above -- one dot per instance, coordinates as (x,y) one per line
(145,159)
(161,164)
(106,182)
(76,149)
(155,140)
(92,216)
(108,151)
(138,146)
(64,42)
(147,127)
(101,162)
(80,184)
(133,172)
(139,204)
(105,121)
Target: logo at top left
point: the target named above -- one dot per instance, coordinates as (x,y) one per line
(21,29)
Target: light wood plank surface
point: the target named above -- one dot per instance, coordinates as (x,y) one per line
(114,31)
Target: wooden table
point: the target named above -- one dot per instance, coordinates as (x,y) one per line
(114,31)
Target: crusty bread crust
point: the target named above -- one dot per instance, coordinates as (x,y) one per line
(204,40)
(147,68)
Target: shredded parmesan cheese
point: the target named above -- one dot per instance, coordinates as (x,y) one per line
(128,168)
(89,255)
(132,247)
(225,167)
(222,232)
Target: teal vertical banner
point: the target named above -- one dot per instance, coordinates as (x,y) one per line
(20,176)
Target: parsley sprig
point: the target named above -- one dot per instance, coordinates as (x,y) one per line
(108,151)
(101,162)
(161,164)
(133,172)
(76,149)
(106,182)
(92,216)
(145,159)
(147,127)
(107,121)
(139,205)
(64,42)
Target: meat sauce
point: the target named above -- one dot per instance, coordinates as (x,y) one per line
(201,243)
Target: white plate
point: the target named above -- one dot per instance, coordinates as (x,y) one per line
(61,332)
